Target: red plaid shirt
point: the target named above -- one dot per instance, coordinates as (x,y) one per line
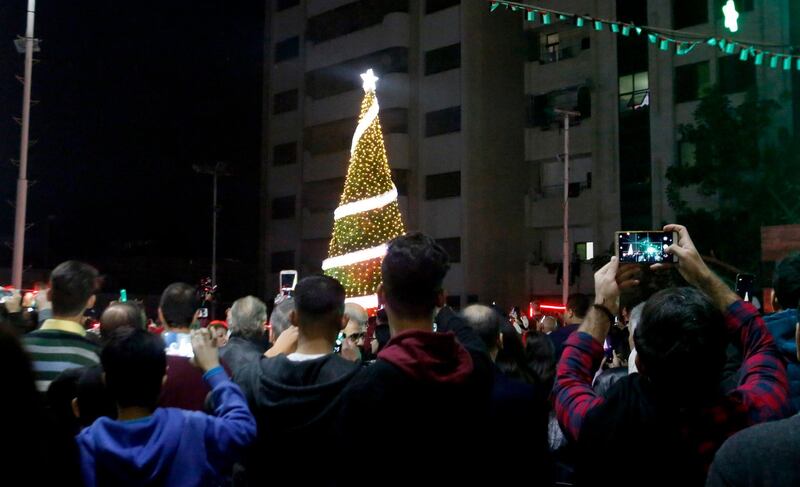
(762,394)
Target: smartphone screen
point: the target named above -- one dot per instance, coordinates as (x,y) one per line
(645,247)
(744,286)
(178,344)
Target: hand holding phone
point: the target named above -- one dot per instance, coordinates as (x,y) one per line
(206,355)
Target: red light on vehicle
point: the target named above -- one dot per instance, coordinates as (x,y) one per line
(553,307)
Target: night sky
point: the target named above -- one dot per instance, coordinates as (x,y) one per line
(132,94)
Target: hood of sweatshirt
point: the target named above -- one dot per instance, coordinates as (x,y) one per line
(429,357)
(291,395)
(141,450)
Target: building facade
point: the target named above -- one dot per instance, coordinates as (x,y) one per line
(451,95)
(633,97)
(476,148)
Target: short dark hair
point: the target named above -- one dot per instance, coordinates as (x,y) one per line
(681,341)
(122,314)
(413,271)
(485,321)
(134,362)
(579,304)
(318,297)
(72,283)
(279,319)
(786,281)
(179,303)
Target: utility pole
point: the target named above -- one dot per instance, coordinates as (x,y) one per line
(217,170)
(566,254)
(22,181)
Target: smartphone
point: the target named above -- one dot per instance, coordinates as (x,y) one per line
(203,313)
(288,281)
(178,344)
(744,286)
(645,247)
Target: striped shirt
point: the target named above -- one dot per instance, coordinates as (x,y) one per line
(57,346)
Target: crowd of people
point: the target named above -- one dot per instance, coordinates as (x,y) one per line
(664,377)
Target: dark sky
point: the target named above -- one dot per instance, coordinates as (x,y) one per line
(132,93)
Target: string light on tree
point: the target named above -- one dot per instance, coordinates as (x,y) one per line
(368,216)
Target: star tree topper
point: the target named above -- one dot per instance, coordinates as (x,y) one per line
(370,81)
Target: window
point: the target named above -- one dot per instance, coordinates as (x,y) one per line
(686,13)
(280,261)
(283,208)
(344,77)
(453,248)
(541,108)
(586,43)
(443,59)
(351,17)
(436,5)
(400,178)
(284,154)
(691,81)
(284,4)
(322,196)
(734,75)
(472,298)
(443,121)
(287,49)
(454,302)
(584,250)
(445,185)
(285,101)
(634,92)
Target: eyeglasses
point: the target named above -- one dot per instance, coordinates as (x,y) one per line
(356,336)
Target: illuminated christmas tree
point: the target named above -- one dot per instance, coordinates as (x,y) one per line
(368,216)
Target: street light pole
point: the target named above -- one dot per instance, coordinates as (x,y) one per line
(216,170)
(565,258)
(22,181)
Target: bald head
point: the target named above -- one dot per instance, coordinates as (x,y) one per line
(486,322)
(247,317)
(122,314)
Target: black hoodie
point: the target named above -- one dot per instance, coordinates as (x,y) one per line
(295,405)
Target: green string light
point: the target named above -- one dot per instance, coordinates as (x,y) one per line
(684,47)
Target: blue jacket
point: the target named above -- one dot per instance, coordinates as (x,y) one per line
(782,326)
(173,447)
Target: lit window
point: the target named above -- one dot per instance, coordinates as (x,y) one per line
(584,250)
(634,92)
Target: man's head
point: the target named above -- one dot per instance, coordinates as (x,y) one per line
(487,324)
(72,288)
(179,303)
(319,306)
(121,314)
(576,308)
(786,282)
(549,324)
(413,271)
(356,327)
(279,320)
(247,318)
(134,366)
(680,341)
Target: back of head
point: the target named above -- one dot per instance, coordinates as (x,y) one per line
(356,313)
(681,340)
(319,300)
(121,314)
(579,304)
(541,357)
(511,358)
(72,283)
(786,281)
(179,302)
(413,271)
(279,319)
(486,322)
(134,363)
(247,319)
